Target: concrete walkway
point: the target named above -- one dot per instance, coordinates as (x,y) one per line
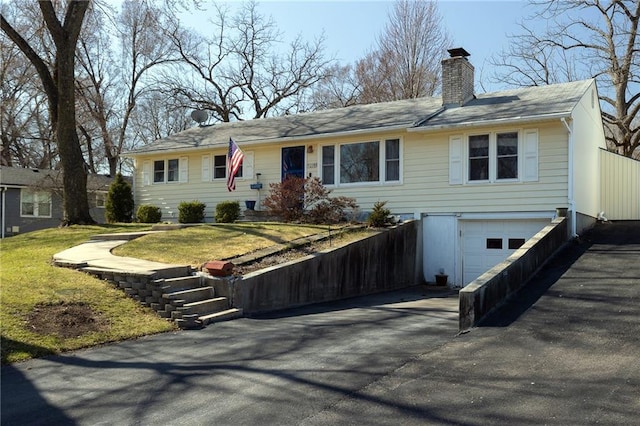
(564,352)
(96,253)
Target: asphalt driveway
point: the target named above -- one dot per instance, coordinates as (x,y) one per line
(276,369)
(566,351)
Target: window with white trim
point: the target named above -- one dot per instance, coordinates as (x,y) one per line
(171,170)
(328,165)
(507,155)
(479,157)
(220,167)
(392,160)
(510,156)
(35,203)
(101,199)
(158,171)
(361,162)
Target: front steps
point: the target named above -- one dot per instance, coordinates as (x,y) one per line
(186,300)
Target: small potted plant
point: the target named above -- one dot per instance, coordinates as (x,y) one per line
(441,277)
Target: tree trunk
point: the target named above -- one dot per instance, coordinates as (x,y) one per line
(76,202)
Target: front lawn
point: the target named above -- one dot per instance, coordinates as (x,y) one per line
(36,296)
(31,288)
(199,244)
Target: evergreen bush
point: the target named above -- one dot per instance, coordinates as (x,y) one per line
(227,211)
(148,214)
(191,212)
(119,202)
(380,216)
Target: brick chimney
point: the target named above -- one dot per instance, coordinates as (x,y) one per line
(457,78)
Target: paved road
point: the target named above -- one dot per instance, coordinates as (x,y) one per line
(565,352)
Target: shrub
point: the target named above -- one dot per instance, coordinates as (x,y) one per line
(306,200)
(286,199)
(191,212)
(119,202)
(227,211)
(380,216)
(149,214)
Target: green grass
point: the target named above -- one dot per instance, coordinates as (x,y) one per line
(28,278)
(197,245)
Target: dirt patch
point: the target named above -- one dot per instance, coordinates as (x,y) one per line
(65,319)
(298,252)
(276,259)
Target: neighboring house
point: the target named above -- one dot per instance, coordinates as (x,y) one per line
(31,199)
(483,173)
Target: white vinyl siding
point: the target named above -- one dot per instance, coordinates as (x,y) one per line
(455,160)
(620,186)
(530,154)
(432,176)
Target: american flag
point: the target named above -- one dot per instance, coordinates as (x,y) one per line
(234,161)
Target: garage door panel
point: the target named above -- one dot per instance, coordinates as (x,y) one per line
(487,243)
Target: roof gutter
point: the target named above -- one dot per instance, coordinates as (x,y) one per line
(496,122)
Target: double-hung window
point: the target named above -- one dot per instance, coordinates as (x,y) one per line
(328,165)
(158,171)
(479,157)
(167,171)
(361,162)
(219,166)
(35,203)
(507,155)
(172,170)
(392,160)
(493,157)
(510,156)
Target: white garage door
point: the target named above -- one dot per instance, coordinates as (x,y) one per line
(485,243)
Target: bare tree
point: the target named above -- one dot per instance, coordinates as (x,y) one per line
(59,86)
(406,60)
(112,82)
(584,39)
(339,88)
(236,70)
(25,131)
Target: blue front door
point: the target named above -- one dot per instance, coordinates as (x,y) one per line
(293,162)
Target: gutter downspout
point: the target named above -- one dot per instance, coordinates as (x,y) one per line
(571,180)
(4,199)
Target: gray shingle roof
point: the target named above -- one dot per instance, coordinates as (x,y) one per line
(46,178)
(525,103)
(404,113)
(422,113)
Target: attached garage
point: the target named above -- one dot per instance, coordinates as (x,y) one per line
(485,243)
(466,248)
